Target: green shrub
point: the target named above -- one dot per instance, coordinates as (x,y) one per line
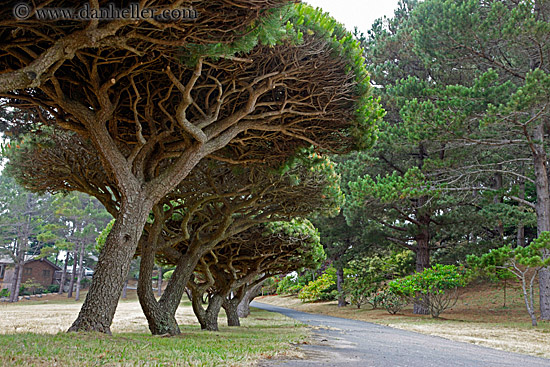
(54,288)
(269,287)
(4,293)
(289,285)
(322,289)
(364,277)
(435,288)
(392,302)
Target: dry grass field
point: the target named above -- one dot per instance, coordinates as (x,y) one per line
(32,333)
(478,317)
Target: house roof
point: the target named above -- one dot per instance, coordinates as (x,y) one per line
(45,261)
(6,260)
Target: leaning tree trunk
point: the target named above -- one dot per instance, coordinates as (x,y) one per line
(161,314)
(208,319)
(231,307)
(543,215)
(80,271)
(71,281)
(160,321)
(243,310)
(113,266)
(16,283)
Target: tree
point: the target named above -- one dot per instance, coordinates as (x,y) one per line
(83,217)
(218,201)
(152,118)
(414,188)
(247,259)
(20,224)
(36,61)
(522,262)
(504,45)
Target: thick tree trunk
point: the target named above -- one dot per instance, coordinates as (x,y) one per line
(339,286)
(63,275)
(422,262)
(243,310)
(80,271)
(160,320)
(71,281)
(159,282)
(208,319)
(543,214)
(113,266)
(231,311)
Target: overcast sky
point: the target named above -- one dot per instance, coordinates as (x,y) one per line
(356,13)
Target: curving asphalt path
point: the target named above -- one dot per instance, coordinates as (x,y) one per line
(346,343)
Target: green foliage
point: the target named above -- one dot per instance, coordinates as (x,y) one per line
(522,262)
(369,112)
(435,287)
(53,288)
(167,275)
(30,287)
(4,293)
(100,241)
(321,289)
(364,277)
(290,285)
(391,301)
(311,255)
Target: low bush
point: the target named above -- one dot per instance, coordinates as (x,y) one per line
(435,288)
(322,289)
(392,302)
(54,288)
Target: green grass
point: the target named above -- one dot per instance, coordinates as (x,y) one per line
(262,336)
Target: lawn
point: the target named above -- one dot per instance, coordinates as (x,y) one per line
(33,335)
(479,317)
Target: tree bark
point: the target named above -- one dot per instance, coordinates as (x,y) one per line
(80,271)
(113,266)
(542,209)
(243,310)
(231,307)
(160,320)
(208,319)
(16,285)
(339,286)
(521,228)
(498,183)
(422,262)
(71,281)
(159,281)
(63,275)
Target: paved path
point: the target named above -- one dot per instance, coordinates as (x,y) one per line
(344,342)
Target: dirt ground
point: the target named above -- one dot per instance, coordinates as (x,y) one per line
(41,315)
(478,318)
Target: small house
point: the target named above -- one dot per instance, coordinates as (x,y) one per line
(42,271)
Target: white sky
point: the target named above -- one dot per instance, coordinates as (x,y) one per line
(356,13)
